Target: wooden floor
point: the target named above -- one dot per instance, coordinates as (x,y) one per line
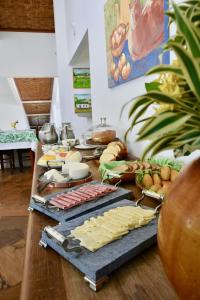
(15,191)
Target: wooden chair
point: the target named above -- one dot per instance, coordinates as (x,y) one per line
(25,155)
(7,156)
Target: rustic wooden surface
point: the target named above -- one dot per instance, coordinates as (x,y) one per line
(15,188)
(48,276)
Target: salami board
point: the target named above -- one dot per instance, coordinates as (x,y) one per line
(99,264)
(76,211)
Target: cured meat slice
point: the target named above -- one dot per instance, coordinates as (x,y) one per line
(60,202)
(84,196)
(69,198)
(59,205)
(77,195)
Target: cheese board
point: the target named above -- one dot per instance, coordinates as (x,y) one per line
(96,266)
(44,205)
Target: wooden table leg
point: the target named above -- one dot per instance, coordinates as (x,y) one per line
(20,160)
(32,155)
(1,161)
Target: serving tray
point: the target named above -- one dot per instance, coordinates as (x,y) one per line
(65,184)
(76,211)
(96,266)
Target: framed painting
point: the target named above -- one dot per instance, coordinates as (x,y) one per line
(82,103)
(81,78)
(135,32)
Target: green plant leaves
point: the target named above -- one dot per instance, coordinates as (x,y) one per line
(165,68)
(163,124)
(187,137)
(190,69)
(137,103)
(152,86)
(184,26)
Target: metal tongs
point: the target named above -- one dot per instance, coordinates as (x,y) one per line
(43,201)
(62,240)
(152,195)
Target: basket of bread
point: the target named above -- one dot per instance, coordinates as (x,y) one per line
(157,174)
(117,171)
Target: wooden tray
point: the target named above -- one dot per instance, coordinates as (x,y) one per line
(96,266)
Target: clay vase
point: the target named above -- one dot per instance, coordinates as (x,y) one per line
(179,233)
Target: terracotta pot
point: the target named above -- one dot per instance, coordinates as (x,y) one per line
(179,233)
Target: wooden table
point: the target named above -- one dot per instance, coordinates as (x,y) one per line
(47,276)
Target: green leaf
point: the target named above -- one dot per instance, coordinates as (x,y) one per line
(190,69)
(146,124)
(163,124)
(154,144)
(152,86)
(165,68)
(160,97)
(137,103)
(187,137)
(164,144)
(139,114)
(184,26)
(124,106)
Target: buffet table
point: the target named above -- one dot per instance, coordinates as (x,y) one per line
(48,276)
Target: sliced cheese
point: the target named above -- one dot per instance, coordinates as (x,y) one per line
(74,156)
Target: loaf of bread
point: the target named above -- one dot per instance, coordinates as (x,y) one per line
(105,136)
(114,151)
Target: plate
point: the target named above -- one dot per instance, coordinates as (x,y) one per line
(85,147)
(65,184)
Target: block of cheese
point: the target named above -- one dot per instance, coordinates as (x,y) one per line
(78,171)
(67,166)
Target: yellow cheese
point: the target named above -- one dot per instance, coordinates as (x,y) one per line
(113,224)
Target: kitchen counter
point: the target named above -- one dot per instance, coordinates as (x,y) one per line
(47,276)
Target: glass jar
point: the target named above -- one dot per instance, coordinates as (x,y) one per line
(101,134)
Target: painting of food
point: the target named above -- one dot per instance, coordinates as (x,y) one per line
(135,32)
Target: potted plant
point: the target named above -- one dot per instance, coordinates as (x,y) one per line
(175,124)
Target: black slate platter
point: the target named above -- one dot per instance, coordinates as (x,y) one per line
(74,212)
(96,265)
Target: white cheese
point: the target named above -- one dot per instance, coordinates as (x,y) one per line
(78,171)
(54,175)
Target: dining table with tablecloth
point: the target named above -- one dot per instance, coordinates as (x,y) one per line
(18,139)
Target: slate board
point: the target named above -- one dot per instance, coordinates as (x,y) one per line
(65,215)
(98,264)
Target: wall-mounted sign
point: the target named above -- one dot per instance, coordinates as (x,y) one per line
(135,32)
(81,78)
(82,103)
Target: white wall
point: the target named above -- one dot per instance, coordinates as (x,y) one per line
(89,15)
(62,29)
(10,109)
(24,54)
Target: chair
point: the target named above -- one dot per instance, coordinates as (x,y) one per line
(7,156)
(25,155)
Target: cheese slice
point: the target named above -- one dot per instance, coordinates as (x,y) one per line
(112,225)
